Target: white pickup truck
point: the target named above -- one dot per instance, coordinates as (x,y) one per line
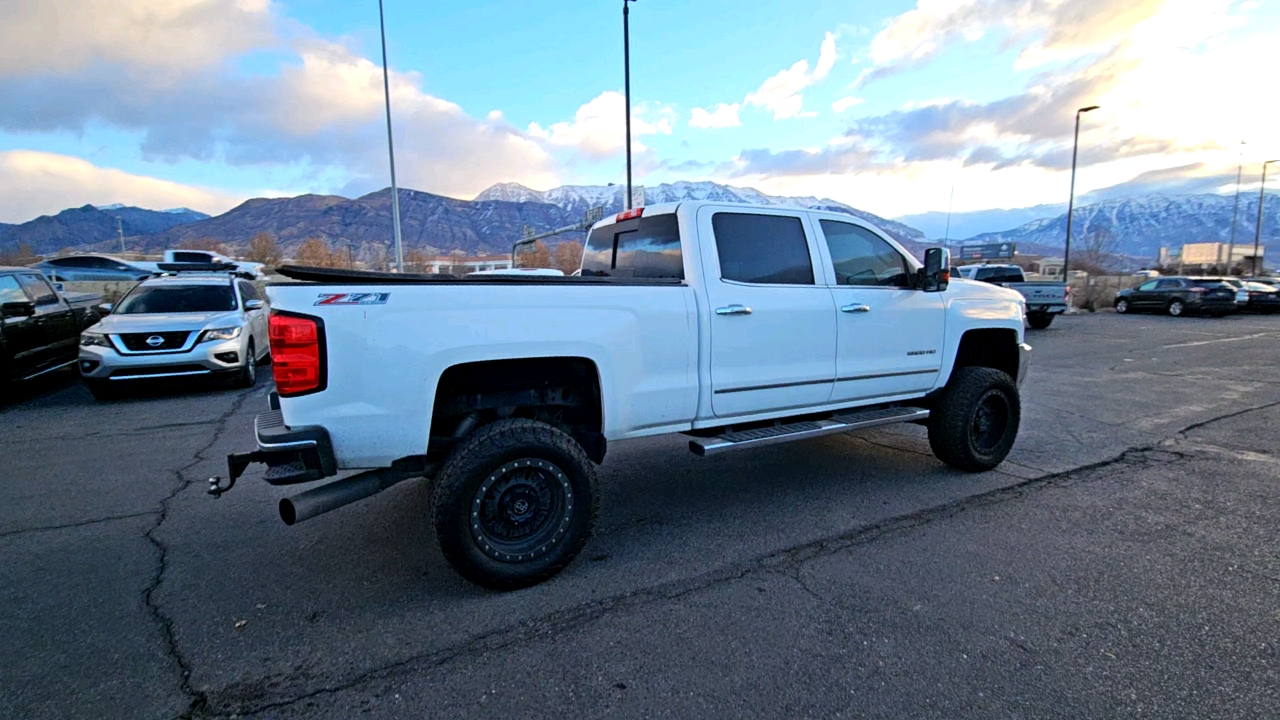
(1045,299)
(738,326)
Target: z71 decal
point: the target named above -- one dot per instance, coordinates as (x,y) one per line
(353,299)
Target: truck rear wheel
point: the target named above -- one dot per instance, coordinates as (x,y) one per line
(973,426)
(1040,321)
(514,504)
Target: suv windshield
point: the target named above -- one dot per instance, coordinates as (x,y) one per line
(178,299)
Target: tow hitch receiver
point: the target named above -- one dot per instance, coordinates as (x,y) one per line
(236,464)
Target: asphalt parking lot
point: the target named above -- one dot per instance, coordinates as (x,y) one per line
(1124,561)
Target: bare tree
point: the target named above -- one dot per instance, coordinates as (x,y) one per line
(263,249)
(1097,253)
(18,256)
(567,257)
(315,252)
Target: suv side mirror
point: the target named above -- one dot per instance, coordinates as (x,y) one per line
(105,308)
(936,273)
(22,308)
(254,304)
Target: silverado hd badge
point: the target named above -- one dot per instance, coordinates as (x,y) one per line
(353,299)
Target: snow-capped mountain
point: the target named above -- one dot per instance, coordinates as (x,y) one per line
(577,199)
(1142,225)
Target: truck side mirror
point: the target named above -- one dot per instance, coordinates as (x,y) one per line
(936,273)
(22,308)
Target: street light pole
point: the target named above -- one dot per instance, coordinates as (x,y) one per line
(1235,211)
(626,75)
(1071,201)
(391,152)
(1257,237)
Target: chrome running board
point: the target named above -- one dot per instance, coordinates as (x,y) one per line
(806,429)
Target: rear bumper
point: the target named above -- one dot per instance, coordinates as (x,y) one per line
(291,454)
(1024,362)
(1045,309)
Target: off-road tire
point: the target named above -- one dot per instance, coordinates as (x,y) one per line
(1176,308)
(248,376)
(1122,306)
(102,389)
(1040,321)
(491,456)
(953,432)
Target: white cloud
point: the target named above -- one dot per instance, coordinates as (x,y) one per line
(598,127)
(322,112)
(723,115)
(1057,29)
(781,94)
(845,103)
(164,36)
(38,183)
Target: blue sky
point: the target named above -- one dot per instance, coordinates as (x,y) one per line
(888,106)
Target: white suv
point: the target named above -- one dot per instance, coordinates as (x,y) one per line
(187,326)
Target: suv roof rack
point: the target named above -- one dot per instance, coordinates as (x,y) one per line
(212,268)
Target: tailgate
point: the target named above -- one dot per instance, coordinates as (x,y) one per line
(1042,293)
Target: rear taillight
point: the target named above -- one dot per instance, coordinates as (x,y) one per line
(297,353)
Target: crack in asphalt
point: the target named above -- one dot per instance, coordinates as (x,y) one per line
(81,523)
(120,433)
(197,699)
(789,562)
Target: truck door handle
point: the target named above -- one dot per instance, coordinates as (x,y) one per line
(855,308)
(734,309)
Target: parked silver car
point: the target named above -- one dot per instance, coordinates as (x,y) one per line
(187,326)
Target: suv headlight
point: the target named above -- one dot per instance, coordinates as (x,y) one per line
(230,333)
(94,339)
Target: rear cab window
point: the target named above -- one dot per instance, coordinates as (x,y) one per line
(1000,275)
(644,247)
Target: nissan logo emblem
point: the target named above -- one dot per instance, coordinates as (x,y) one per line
(155,341)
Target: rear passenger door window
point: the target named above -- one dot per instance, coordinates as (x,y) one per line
(762,249)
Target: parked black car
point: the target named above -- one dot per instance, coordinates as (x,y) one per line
(39,326)
(1178,296)
(1263,298)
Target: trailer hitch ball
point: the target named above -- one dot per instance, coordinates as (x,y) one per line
(216,488)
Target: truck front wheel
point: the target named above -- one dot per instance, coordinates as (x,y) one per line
(1040,321)
(973,426)
(514,504)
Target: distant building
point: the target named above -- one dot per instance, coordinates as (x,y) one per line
(460,264)
(1196,257)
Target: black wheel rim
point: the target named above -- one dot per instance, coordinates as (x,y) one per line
(989,423)
(521,510)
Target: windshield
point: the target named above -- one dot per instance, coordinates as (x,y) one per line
(179,299)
